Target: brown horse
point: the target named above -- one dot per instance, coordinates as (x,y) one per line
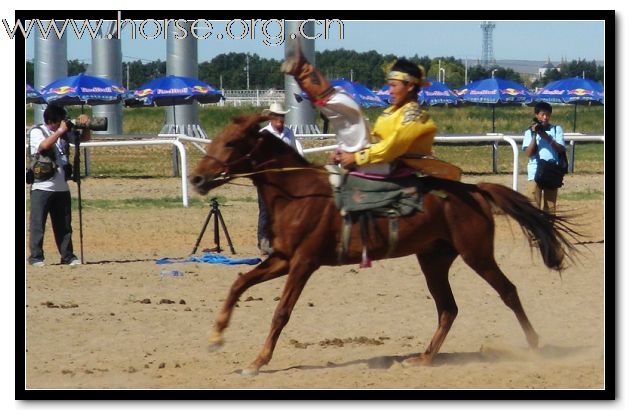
(306,231)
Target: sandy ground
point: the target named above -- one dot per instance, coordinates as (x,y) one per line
(108,324)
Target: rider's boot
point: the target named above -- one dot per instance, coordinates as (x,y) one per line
(307,76)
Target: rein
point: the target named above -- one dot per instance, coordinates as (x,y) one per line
(226,175)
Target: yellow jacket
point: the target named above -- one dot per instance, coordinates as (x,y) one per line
(405,130)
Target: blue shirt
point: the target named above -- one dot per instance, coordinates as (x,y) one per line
(543,148)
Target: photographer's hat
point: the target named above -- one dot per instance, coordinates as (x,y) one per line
(275,108)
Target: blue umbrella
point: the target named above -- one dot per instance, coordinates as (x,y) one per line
(33,96)
(493,92)
(572,91)
(383,93)
(360,93)
(174,90)
(436,94)
(83,89)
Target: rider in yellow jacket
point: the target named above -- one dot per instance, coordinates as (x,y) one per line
(399,131)
(403,132)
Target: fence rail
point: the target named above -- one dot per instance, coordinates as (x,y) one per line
(257,97)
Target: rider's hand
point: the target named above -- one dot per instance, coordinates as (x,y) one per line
(334,157)
(347,159)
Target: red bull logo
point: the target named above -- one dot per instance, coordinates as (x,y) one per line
(512,91)
(580,92)
(63,90)
(143,92)
(461,92)
(118,89)
(200,89)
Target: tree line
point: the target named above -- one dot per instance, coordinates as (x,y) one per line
(229,71)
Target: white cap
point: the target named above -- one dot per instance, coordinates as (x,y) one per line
(275,108)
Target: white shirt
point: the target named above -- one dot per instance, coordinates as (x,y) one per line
(286,136)
(58,182)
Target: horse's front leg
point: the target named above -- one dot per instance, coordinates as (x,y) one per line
(299,273)
(271,268)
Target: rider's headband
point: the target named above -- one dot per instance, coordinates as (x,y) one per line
(406,77)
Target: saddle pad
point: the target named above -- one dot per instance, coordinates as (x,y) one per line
(353,194)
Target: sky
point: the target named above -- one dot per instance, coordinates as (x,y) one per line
(512,40)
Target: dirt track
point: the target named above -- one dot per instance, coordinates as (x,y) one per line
(102,325)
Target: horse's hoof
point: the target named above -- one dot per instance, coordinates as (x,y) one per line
(215,345)
(416,361)
(249,372)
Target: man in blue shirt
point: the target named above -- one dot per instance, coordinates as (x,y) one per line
(547,145)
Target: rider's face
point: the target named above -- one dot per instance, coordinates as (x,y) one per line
(399,92)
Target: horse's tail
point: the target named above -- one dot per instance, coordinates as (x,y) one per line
(544,229)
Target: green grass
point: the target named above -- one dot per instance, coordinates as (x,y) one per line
(450,120)
(156,161)
(139,203)
(583,195)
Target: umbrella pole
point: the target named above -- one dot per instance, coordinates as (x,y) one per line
(494,146)
(174,151)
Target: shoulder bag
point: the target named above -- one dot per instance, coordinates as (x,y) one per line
(549,174)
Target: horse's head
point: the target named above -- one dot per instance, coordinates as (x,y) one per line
(229,153)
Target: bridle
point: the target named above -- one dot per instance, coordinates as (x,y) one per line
(228,172)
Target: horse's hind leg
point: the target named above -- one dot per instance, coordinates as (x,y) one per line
(435,266)
(301,270)
(269,269)
(487,268)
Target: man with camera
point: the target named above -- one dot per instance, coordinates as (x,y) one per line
(543,141)
(50,193)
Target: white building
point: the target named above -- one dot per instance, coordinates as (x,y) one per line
(545,68)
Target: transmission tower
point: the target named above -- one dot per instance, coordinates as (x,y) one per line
(487,52)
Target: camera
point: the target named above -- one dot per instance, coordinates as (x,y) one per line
(94,124)
(539,125)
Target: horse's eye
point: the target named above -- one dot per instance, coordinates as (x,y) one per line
(231,144)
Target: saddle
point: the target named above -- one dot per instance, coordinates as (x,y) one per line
(361,197)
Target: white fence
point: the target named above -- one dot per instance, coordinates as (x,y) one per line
(250,97)
(178,140)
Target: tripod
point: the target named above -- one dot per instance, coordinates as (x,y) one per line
(73,136)
(214,211)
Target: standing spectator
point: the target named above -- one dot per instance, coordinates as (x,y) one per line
(276,127)
(548,144)
(52,196)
